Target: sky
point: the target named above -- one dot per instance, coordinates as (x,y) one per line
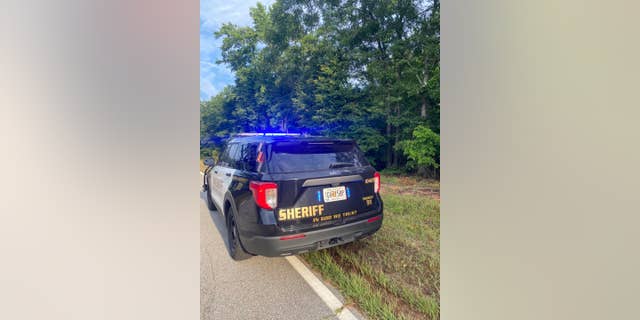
(213,13)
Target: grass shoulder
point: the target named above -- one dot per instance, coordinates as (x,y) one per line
(395,274)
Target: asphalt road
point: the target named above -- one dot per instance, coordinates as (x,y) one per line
(256,288)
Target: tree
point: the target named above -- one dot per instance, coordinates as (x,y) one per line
(363,69)
(423,148)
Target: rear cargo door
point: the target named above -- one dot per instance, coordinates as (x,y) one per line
(320,183)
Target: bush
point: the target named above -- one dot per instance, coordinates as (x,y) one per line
(209,153)
(423,150)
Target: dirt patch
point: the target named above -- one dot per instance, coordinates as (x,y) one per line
(412,190)
(407,185)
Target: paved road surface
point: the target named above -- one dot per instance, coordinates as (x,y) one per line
(257,288)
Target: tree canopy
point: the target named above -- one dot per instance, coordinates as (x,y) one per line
(362,69)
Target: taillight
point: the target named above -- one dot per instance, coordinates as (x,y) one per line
(376,182)
(265,194)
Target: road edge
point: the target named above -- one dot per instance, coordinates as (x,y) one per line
(342,312)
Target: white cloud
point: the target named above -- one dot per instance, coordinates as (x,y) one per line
(213,13)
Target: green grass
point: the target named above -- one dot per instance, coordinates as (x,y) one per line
(352,285)
(394,274)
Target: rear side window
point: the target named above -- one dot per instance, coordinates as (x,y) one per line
(248,154)
(310,156)
(241,156)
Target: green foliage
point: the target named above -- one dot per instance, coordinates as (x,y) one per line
(209,153)
(367,70)
(423,148)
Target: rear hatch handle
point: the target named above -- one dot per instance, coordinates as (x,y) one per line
(340,165)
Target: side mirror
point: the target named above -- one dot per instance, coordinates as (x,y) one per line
(209,162)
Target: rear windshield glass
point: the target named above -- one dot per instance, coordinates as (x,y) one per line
(310,156)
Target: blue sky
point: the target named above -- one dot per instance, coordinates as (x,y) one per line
(213,13)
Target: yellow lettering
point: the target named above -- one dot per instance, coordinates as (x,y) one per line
(300,212)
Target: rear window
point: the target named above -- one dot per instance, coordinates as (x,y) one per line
(310,156)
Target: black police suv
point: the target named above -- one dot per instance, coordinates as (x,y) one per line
(284,194)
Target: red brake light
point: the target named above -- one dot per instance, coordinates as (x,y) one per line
(376,182)
(265,194)
(376,218)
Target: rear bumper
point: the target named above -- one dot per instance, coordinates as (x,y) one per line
(312,240)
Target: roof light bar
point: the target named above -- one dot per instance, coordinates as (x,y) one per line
(276,134)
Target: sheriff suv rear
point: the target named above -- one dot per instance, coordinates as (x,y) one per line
(287,194)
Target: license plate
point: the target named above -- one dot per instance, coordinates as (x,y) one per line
(334,194)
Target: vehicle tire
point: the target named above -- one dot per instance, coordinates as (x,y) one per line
(235,248)
(208,199)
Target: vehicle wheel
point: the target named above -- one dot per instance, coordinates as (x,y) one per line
(235,248)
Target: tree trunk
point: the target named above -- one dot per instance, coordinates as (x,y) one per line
(389,147)
(422,171)
(423,111)
(395,151)
(396,138)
